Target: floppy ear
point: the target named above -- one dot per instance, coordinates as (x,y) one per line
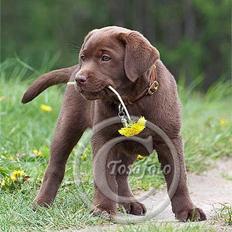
(140,55)
(48,79)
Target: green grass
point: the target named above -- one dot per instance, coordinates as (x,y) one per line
(164,227)
(207,132)
(224,214)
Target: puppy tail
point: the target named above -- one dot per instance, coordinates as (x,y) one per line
(55,77)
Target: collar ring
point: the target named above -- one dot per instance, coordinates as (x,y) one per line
(153,88)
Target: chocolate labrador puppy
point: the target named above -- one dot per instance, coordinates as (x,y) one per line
(127,61)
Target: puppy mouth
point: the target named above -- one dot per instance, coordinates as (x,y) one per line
(94,90)
(91,90)
(93,94)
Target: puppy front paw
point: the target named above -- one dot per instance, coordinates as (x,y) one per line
(42,202)
(135,208)
(193,214)
(99,211)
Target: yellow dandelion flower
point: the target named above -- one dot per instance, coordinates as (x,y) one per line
(140,157)
(45,108)
(223,122)
(13,177)
(134,128)
(37,152)
(17,174)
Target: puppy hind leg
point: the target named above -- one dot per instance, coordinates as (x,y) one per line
(182,205)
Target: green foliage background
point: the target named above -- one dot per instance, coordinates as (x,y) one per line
(193,36)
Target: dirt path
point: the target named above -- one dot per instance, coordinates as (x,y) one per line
(208,191)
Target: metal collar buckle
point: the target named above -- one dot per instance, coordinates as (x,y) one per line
(153,87)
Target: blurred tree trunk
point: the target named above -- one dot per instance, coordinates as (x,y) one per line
(143,18)
(171,23)
(189,33)
(139,15)
(117,12)
(170,28)
(189,20)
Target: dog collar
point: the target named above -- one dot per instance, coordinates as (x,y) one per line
(150,90)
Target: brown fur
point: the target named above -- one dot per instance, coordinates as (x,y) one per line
(128,71)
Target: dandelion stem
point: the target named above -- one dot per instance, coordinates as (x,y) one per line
(71,83)
(121,101)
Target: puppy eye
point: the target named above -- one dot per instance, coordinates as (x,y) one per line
(105,58)
(82,57)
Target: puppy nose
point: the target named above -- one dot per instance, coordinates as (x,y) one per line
(80,79)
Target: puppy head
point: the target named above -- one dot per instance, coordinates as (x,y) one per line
(109,56)
(112,56)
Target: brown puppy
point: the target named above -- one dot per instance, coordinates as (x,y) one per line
(125,60)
